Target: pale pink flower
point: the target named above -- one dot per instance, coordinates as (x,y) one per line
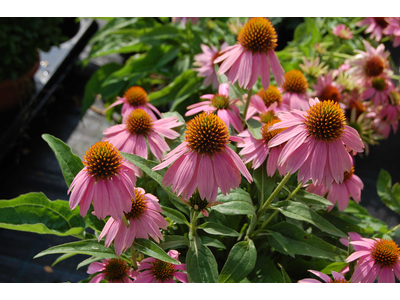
(294,90)
(265,104)
(221,105)
(193,20)
(343,32)
(153,270)
(376,26)
(315,142)
(378,89)
(344,67)
(204,160)
(376,258)
(135,98)
(107,179)
(369,64)
(257,150)
(138,128)
(341,192)
(205,62)
(393,29)
(144,221)
(337,278)
(391,111)
(326,88)
(253,55)
(113,270)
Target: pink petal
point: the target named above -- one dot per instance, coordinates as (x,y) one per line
(386,275)
(265,71)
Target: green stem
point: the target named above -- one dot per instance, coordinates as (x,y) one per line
(393,229)
(246,107)
(266,221)
(274,194)
(193,222)
(295,191)
(133,254)
(262,185)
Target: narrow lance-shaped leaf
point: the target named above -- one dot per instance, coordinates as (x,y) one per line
(70,163)
(241,261)
(218,229)
(151,249)
(201,265)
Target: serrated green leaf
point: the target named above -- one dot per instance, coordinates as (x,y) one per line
(241,261)
(218,229)
(151,249)
(201,265)
(303,243)
(70,163)
(33,212)
(299,211)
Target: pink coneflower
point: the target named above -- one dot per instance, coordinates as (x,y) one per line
(343,32)
(378,89)
(315,142)
(144,220)
(369,64)
(183,20)
(393,29)
(139,127)
(221,105)
(265,103)
(391,111)
(135,97)
(337,278)
(199,204)
(113,270)
(326,88)
(341,192)
(295,90)
(107,179)
(205,62)
(154,270)
(376,26)
(253,55)
(204,160)
(376,258)
(257,150)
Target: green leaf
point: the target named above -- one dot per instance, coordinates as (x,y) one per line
(88,261)
(151,249)
(241,261)
(336,266)
(303,243)
(145,166)
(174,242)
(70,163)
(299,211)
(311,199)
(62,257)
(279,238)
(388,194)
(263,181)
(190,88)
(94,85)
(265,271)
(254,127)
(88,247)
(175,215)
(33,212)
(92,221)
(201,265)
(210,242)
(218,229)
(237,202)
(285,276)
